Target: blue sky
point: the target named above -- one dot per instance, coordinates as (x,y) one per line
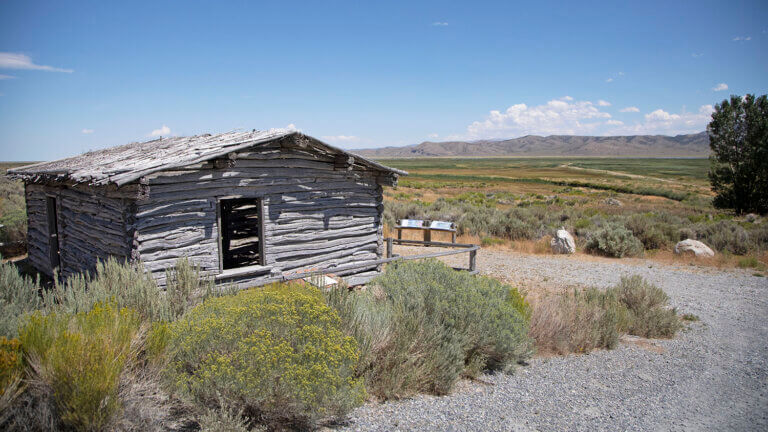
(77,76)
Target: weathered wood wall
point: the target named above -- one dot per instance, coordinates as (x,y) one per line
(318,212)
(90,226)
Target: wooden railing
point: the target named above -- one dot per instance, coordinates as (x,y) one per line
(471,249)
(464,248)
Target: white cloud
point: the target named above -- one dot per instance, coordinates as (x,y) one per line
(742,38)
(603,103)
(163,131)
(87,131)
(663,122)
(661,115)
(720,87)
(289,128)
(433,135)
(344,138)
(21,61)
(5,77)
(556,117)
(697,55)
(340,138)
(439,24)
(614,77)
(561,117)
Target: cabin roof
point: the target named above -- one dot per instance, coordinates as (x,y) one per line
(127,163)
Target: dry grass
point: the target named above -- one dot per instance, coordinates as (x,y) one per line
(538,247)
(720,260)
(580,320)
(568,323)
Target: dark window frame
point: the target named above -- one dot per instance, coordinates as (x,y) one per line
(224,210)
(54,241)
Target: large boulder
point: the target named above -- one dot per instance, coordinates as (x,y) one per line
(562,242)
(696,247)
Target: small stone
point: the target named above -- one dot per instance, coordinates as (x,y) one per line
(613,202)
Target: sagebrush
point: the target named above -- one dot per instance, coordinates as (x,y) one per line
(423,325)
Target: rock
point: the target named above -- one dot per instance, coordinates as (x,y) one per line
(751,217)
(563,242)
(613,202)
(696,247)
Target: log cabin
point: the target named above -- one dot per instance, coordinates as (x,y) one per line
(245,207)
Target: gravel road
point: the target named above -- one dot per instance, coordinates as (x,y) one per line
(713,376)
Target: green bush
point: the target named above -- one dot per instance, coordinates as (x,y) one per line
(646,304)
(614,241)
(750,262)
(759,236)
(424,325)
(728,236)
(491,241)
(582,223)
(653,233)
(276,351)
(19,295)
(80,357)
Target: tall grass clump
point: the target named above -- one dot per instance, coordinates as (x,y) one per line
(423,325)
(19,295)
(647,311)
(80,357)
(278,352)
(582,320)
(130,285)
(576,321)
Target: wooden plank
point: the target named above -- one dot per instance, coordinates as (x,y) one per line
(262,230)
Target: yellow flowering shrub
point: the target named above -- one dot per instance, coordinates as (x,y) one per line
(10,363)
(81,358)
(277,351)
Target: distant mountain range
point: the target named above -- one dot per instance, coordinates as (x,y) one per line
(694,145)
